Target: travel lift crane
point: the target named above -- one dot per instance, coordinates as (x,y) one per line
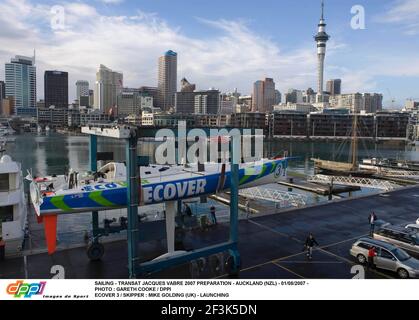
(172,258)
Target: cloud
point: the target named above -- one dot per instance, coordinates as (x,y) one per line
(111,1)
(404,13)
(236,57)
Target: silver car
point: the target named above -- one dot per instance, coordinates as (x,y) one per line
(389,257)
(400,237)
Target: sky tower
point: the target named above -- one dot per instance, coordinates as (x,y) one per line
(321,39)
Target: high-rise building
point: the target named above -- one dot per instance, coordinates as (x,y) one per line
(208,102)
(109,85)
(56,89)
(91,98)
(167,80)
(2,95)
(334,86)
(321,39)
(294,96)
(263,95)
(82,89)
(21,84)
(2,90)
(186,86)
(278,97)
(356,102)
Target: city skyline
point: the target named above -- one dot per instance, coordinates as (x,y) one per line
(210,44)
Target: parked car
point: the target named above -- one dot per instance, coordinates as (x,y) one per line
(400,237)
(389,257)
(412,227)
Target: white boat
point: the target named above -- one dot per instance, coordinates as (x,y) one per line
(47,129)
(39,129)
(13,210)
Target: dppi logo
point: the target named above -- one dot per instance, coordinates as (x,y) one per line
(27,290)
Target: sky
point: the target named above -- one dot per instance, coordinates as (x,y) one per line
(221,44)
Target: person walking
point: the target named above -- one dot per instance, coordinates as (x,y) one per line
(371,254)
(247,207)
(371,219)
(310,243)
(187,210)
(213,216)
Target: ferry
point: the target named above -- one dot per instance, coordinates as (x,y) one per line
(13,210)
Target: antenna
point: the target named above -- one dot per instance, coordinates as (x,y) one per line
(322,9)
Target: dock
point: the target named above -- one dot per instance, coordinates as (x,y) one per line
(270,246)
(323,190)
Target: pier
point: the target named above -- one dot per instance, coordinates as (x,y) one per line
(270,245)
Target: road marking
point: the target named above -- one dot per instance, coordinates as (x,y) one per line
(290,271)
(275,231)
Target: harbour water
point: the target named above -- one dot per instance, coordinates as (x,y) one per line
(55,154)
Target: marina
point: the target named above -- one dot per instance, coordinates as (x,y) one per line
(300,190)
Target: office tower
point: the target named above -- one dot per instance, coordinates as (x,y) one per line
(278,97)
(263,95)
(109,85)
(334,86)
(208,102)
(186,86)
(321,39)
(167,80)
(82,89)
(91,98)
(21,84)
(2,90)
(56,89)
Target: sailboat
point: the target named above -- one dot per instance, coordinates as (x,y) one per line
(345,168)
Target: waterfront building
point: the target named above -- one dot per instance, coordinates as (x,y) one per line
(167,80)
(333,125)
(171,120)
(2,95)
(212,120)
(131,102)
(297,107)
(109,85)
(264,95)
(256,120)
(84,116)
(21,84)
(147,119)
(52,116)
(56,89)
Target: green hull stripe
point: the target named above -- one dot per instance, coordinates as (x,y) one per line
(59,203)
(99,199)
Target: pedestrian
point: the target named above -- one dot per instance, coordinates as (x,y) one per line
(310,243)
(371,254)
(371,219)
(2,249)
(187,210)
(213,217)
(247,207)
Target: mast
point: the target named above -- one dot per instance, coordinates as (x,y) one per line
(354,143)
